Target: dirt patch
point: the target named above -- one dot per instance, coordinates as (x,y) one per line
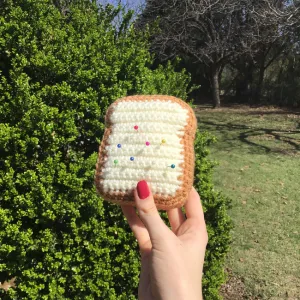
(234,288)
(261,110)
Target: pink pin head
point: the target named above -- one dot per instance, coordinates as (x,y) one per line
(136,127)
(147,143)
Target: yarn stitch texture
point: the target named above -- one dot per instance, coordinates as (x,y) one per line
(135,129)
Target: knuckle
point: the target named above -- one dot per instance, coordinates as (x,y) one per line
(148,210)
(201,232)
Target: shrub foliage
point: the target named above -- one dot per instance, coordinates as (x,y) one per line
(60,68)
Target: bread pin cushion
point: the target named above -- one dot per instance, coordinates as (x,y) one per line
(147,138)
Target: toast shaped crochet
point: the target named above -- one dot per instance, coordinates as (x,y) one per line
(147,138)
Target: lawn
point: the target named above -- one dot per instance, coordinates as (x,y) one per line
(258,151)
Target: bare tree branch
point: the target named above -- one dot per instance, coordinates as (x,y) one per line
(214,32)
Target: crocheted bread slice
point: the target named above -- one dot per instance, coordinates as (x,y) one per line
(147,138)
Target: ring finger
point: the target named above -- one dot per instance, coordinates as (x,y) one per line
(176,218)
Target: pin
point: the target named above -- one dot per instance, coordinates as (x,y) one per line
(115,162)
(172,166)
(163,141)
(135,127)
(119,145)
(132,158)
(147,143)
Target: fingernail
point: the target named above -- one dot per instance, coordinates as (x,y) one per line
(143,189)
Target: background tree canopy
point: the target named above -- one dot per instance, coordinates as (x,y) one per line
(233,43)
(62,63)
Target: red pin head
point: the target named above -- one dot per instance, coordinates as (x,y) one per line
(136,127)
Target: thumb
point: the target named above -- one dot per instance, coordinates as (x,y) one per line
(148,212)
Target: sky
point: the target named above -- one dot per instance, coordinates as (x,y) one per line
(131,4)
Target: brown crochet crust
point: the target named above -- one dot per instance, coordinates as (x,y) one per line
(162,202)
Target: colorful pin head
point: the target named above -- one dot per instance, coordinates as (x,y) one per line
(136,127)
(172,166)
(163,141)
(132,158)
(119,145)
(116,162)
(147,143)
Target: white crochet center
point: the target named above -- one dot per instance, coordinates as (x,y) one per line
(156,121)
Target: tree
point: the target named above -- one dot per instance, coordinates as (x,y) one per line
(212,32)
(277,22)
(283,78)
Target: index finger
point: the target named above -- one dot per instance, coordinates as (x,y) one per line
(193,207)
(138,228)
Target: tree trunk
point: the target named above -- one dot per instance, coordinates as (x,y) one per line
(240,87)
(260,80)
(216,88)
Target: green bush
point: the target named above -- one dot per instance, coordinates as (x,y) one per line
(218,223)
(60,68)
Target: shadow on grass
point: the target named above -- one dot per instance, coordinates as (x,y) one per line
(285,143)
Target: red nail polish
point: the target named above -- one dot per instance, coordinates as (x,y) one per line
(143,189)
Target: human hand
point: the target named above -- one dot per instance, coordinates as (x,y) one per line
(171,260)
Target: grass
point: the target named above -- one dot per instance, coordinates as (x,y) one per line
(258,151)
